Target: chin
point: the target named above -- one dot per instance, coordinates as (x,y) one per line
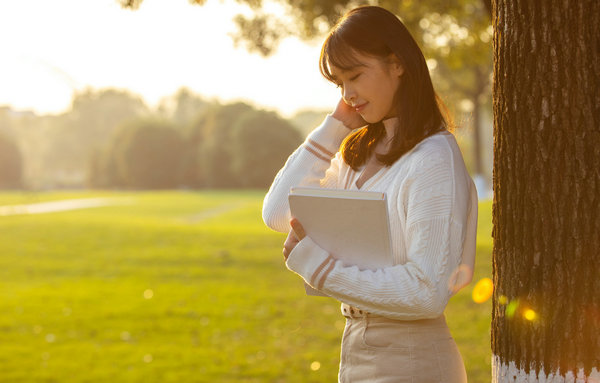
(367,119)
(371,120)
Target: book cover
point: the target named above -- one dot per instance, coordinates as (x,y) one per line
(352,225)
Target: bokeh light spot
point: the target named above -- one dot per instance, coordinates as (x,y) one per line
(315,365)
(483,290)
(530,314)
(125,336)
(511,308)
(148,358)
(148,294)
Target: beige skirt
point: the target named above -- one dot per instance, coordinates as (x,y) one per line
(376,349)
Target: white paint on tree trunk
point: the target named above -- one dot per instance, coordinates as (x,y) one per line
(509,373)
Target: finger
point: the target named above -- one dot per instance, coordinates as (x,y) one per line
(298,229)
(290,242)
(288,247)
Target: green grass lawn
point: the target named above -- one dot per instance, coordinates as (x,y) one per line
(177,287)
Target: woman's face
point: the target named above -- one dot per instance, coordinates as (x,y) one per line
(369,86)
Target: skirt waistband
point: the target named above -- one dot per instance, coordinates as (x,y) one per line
(352,312)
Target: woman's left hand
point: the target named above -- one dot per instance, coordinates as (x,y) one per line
(295,235)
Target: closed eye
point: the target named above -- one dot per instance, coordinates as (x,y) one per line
(339,85)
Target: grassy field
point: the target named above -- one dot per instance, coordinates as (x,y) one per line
(177,287)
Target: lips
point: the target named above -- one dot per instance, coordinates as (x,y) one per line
(360,107)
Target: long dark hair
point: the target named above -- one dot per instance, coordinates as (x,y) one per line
(377,32)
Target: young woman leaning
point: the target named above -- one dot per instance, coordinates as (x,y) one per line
(388,133)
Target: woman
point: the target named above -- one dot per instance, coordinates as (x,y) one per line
(392,137)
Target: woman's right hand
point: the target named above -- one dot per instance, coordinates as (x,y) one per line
(348,116)
(295,235)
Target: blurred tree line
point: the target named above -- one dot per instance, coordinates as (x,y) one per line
(111,139)
(455,36)
(11,163)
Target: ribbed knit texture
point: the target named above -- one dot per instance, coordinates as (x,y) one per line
(431,203)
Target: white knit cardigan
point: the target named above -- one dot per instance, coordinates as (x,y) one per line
(432,204)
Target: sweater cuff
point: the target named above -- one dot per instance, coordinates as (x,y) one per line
(311,262)
(329,134)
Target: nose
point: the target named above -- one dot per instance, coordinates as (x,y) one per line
(349,95)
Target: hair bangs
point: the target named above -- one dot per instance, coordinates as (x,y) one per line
(339,53)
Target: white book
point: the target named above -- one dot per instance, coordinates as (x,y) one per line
(352,225)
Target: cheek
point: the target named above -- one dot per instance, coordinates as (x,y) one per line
(392,88)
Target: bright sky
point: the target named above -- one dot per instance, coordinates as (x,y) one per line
(50,48)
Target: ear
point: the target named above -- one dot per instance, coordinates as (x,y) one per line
(395,65)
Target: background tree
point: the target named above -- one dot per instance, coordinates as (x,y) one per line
(306,120)
(215,152)
(56,149)
(182,107)
(11,163)
(103,171)
(546,215)
(88,125)
(148,154)
(191,172)
(186,110)
(262,141)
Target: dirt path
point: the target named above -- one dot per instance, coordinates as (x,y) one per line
(61,205)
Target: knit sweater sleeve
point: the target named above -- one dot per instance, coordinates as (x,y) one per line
(434,237)
(312,164)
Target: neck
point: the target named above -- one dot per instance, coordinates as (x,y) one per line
(390,127)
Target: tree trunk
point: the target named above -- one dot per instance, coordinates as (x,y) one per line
(546,218)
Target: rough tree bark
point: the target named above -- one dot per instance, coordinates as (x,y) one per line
(546,221)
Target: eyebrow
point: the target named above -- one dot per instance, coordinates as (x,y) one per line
(348,69)
(352,67)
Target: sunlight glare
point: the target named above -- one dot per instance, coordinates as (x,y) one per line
(483,290)
(511,308)
(432,64)
(192,48)
(442,40)
(125,336)
(530,315)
